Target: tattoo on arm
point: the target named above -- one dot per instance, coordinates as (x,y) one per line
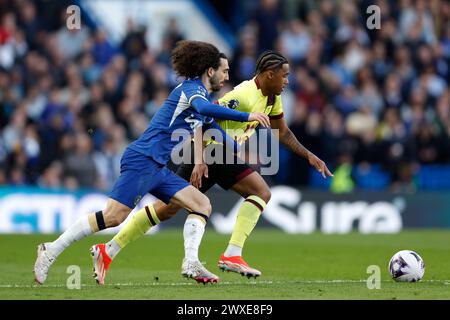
(290,141)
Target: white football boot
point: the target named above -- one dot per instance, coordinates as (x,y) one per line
(43,263)
(194,269)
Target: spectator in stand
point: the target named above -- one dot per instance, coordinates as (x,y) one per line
(267,17)
(80,163)
(102,50)
(245,56)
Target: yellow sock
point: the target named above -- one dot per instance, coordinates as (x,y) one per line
(139,224)
(248,216)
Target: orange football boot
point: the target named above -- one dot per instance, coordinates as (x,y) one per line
(101,262)
(238,265)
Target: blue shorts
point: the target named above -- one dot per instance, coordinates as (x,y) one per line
(139,175)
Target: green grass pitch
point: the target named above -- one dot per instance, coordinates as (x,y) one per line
(315,266)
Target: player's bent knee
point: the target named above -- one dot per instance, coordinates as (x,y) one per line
(114,217)
(205,206)
(192,200)
(172,210)
(111,220)
(167,212)
(265,194)
(208,208)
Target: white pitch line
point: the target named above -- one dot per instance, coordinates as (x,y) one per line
(154,284)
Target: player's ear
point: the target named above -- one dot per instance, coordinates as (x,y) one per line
(270,74)
(210,72)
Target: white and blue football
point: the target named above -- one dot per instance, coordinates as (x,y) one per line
(406,266)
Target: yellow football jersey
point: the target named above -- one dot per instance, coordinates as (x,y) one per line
(248,97)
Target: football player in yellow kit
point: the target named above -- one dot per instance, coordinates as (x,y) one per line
(260,94)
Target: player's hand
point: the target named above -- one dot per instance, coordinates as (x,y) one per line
(262,118)
(319,165)
(200,171)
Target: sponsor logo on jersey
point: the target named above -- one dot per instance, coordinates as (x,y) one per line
(233,103)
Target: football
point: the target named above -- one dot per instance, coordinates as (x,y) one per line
(406,266)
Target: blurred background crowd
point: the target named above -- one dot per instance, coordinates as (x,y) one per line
(373,103)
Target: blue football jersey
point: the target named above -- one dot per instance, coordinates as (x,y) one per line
(175,114)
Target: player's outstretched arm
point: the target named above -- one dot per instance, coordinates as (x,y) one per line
(200,167)
(286,137)
(223,137)
(212,110)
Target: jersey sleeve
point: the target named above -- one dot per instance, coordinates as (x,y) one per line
(197,97)
(277,110)
(193,91)
(213,110)
(233,99)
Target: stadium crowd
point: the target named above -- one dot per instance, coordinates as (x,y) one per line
(360,98)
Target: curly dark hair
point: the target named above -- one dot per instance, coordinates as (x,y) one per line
(190,59)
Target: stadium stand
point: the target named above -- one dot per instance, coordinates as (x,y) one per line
(70,101)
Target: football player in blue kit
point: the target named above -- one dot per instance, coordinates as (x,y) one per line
(143,164)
